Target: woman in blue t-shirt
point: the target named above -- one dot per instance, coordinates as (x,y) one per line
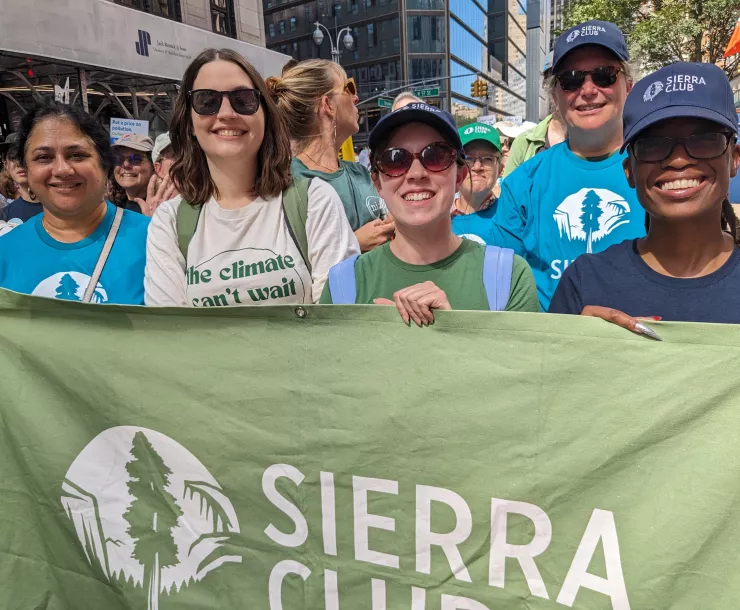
(680,132)
(81,247)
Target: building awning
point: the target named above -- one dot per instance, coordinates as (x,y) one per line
(97,34)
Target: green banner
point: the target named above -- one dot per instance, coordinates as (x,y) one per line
(333,458)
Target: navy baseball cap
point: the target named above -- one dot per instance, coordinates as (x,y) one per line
(600,33)
(416,113)
(683,89)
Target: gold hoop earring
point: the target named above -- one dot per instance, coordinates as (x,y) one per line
(31,194)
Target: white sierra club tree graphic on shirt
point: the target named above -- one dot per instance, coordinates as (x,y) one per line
(147,513)
(590,215)
(69,286)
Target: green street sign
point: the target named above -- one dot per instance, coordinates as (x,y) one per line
(385,103)
(430,92)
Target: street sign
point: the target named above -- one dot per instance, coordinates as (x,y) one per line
(385,103)
(429,92)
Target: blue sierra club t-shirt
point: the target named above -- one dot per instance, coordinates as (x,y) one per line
(619,278)
(33,262)
(557,206)
(477,226)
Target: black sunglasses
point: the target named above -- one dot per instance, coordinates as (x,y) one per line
(699,146)
(208,101)
(435,157)
(572,80)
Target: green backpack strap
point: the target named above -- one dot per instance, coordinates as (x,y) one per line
(295,209)
(187,222)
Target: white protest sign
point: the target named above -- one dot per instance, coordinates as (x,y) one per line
(122,127)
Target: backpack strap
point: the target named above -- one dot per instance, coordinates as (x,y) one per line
(497,267)
(295,211)
(187,221)
(342,285)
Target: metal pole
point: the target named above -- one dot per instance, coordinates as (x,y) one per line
(82,79)
(534,65)
(134,102)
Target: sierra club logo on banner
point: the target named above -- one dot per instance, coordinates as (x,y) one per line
(150,461)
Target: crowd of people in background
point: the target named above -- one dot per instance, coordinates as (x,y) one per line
(615,205)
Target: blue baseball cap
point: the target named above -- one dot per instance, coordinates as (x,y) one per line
(601,33)
(416,113)
(683,89)
(548,62)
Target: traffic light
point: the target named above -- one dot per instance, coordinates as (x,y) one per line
(479,88)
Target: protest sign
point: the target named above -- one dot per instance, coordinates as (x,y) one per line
(330,457)
(122,127)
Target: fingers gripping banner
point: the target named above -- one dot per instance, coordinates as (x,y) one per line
(333,458)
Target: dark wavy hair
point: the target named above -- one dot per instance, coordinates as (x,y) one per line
(190,169)
(86,123)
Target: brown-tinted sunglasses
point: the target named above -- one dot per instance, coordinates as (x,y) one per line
(350,86)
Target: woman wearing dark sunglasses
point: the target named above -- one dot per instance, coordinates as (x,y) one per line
(681,139)
(319,104)
(573,198)
(242,232)
(418,163)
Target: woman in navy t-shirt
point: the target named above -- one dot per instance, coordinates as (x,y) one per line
(681,138)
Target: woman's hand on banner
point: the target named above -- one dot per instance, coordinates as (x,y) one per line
(417,302)
(620,319)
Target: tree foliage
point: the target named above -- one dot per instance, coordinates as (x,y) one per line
(664,31)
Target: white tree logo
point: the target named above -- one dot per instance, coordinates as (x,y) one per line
(652,91)
(590,215)
(69,286)
(572,36)
(147,513)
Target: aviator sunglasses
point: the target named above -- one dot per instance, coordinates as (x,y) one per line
(208,101)
(435,157)
(572,80)
(699,146)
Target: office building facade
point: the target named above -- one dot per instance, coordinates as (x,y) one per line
(432,45)
(239,19)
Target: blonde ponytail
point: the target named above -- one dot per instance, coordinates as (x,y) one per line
(298,94)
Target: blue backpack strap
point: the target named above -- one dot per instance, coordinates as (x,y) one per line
(497,267)
(342,282)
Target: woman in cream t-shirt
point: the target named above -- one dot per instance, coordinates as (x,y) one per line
(232,156)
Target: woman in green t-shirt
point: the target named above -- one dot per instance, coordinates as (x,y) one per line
(318,102)
(417,165)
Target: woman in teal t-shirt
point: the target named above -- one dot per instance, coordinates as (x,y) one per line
(81,247)
(318,102)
